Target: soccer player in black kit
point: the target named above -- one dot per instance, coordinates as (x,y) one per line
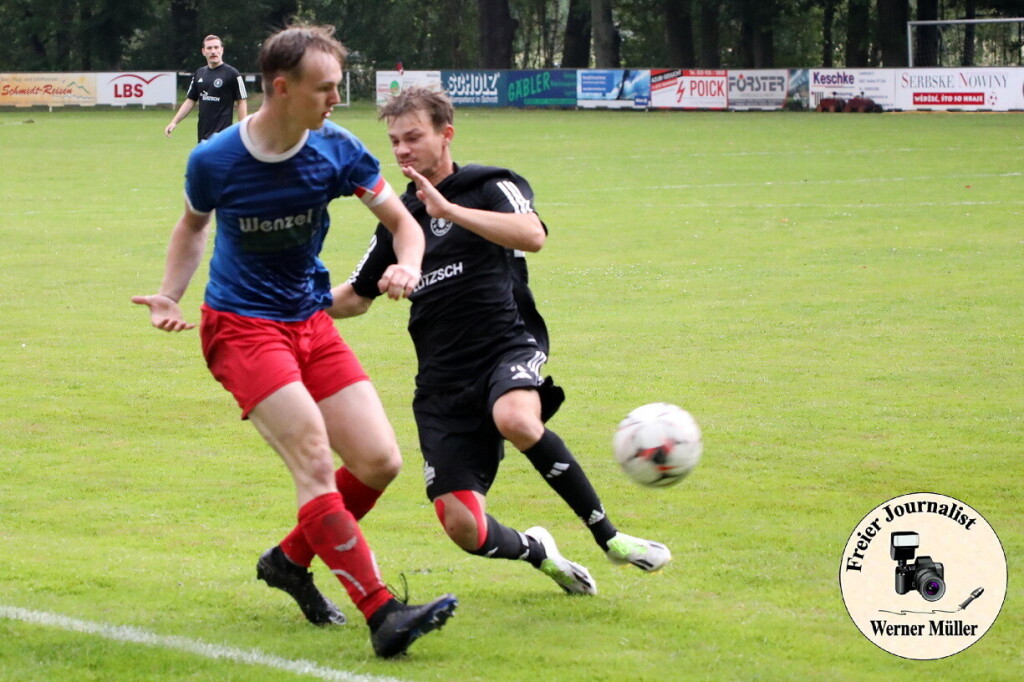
(481,346)
(218,88)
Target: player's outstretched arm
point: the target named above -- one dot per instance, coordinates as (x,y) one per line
(523,231)
(400,279)
(188,241)
(164,312)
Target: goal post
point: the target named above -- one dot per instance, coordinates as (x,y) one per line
(966,42)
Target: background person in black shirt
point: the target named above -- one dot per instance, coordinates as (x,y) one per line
(218,87)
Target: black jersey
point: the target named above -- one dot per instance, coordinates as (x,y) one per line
(216,91)
(473,304)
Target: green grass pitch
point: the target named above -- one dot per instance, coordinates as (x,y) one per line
(838,299)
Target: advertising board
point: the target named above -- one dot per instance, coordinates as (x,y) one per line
(875,84)
(613,88)
(967,89)
(689,88)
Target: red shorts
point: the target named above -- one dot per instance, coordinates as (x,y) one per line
(252,357)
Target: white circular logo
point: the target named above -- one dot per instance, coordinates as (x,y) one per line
(923,576)
(440,226)
(217,83)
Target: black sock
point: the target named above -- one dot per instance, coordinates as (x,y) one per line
(503,542)
(552,459)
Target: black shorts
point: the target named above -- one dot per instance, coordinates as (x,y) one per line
(461,445)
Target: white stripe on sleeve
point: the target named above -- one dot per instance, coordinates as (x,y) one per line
(520,203)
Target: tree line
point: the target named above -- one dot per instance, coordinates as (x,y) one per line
(98,35)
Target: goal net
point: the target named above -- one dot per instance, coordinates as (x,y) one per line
(966,42)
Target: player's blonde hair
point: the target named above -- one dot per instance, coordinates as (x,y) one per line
(282,52)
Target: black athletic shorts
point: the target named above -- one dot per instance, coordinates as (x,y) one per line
(461,445)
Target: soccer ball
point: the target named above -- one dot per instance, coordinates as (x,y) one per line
(658,444)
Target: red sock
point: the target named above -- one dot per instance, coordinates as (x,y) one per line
(296,548)
(334,535)
(359,499)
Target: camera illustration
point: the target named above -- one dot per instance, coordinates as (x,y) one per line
(923,575)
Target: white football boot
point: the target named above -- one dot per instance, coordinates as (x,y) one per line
(644,554)
(570,576)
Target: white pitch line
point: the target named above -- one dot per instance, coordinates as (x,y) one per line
(779,183)
(125,633)
(675,154)
(859,205)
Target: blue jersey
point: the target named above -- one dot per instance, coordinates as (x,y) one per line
(272,216)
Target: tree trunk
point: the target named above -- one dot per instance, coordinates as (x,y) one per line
(576,46)
(64,36)
(757,38)
(497,30)
(39,50)
(970,12)
(710,34)
(764,48)
(184,31)
(446,45)
(926,47)
(606,38)
(679,32)
(892,32)
(85,33)
(828,44)
(858,33)
(746,50)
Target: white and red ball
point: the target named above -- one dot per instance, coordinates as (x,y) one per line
(658,444)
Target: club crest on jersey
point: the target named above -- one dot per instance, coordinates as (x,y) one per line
(440,226)
(217,83)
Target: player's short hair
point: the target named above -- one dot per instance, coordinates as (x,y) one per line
(282,52)
(212,37)
(437,105)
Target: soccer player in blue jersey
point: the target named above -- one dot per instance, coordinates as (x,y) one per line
(264,332)
(481,346)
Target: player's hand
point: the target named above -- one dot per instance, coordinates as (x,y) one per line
(169,129)
(164,312)
(437,206)
(399,281)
